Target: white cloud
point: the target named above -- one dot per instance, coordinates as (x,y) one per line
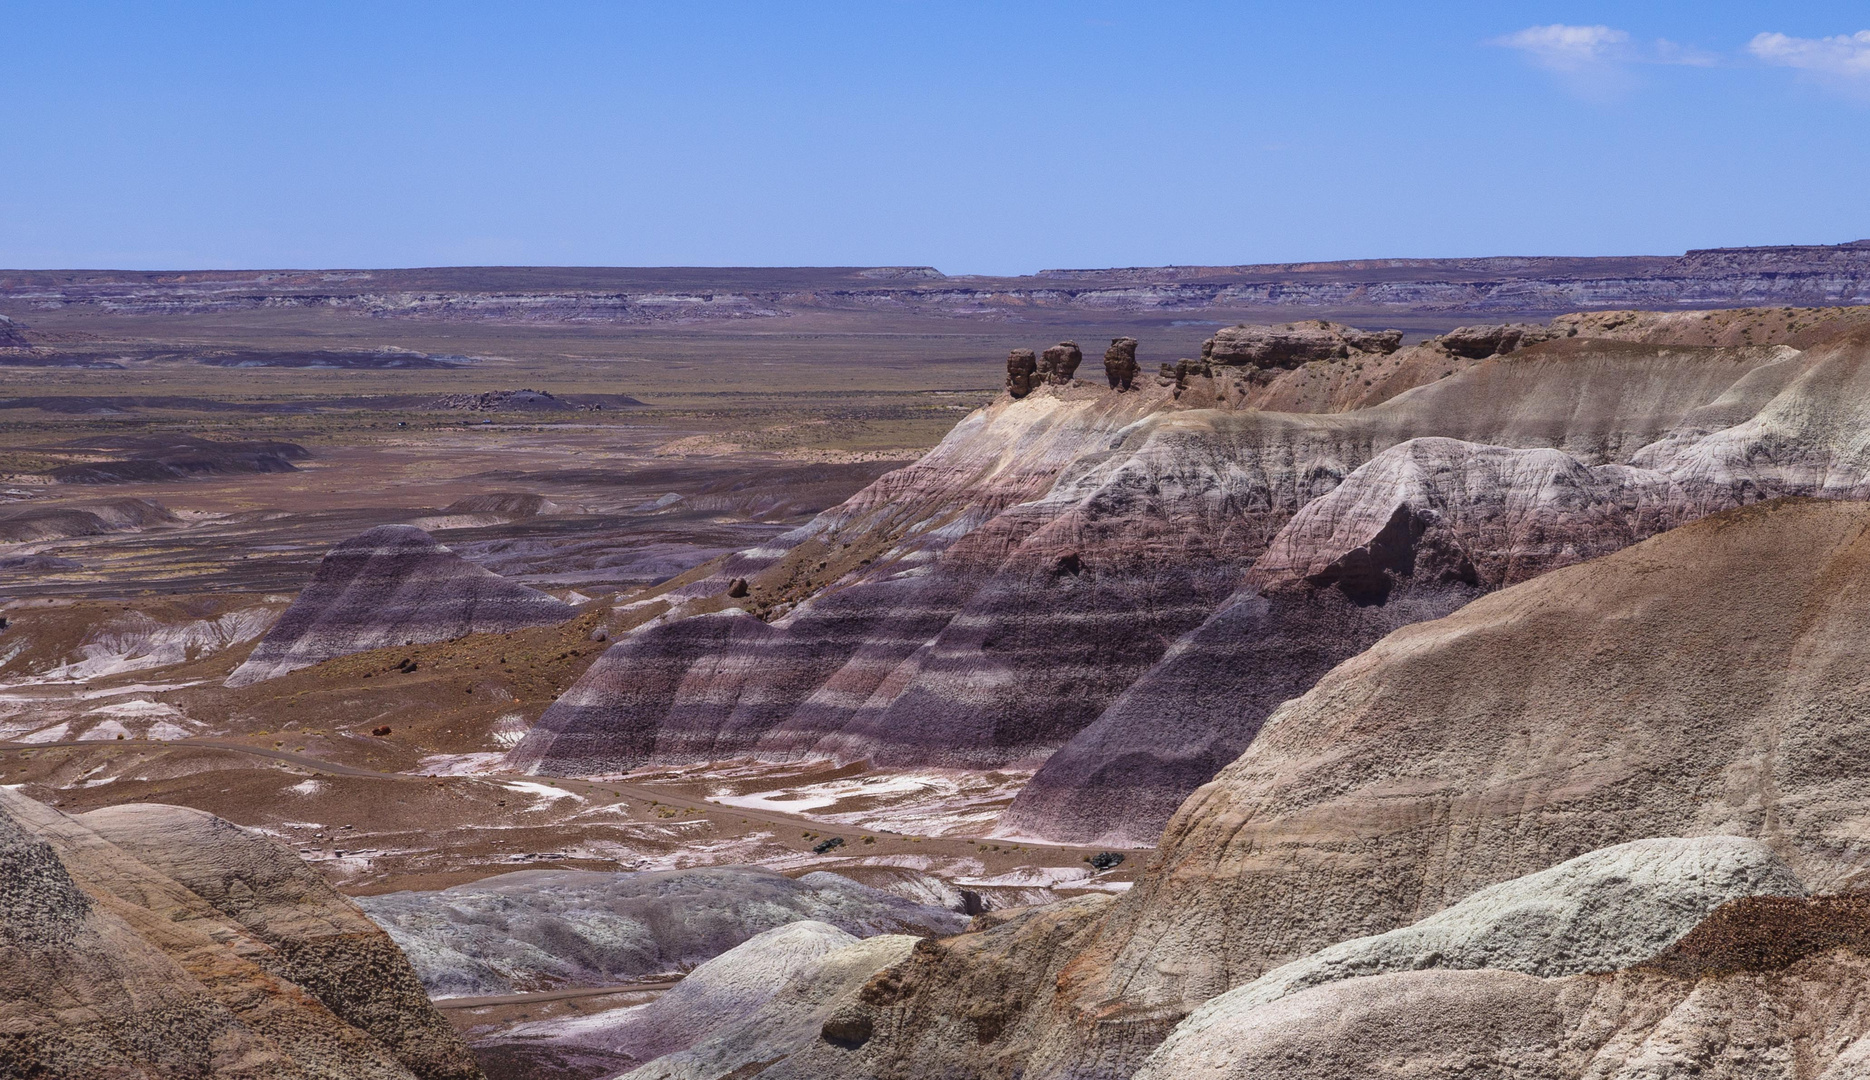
(1669,52)
(1568,48)
(1844,59)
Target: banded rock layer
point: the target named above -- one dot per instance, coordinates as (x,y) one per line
(392,585)
(1599,704)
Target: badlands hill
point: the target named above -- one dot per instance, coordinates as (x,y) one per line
(1116,588)
(158,942)
(1605,822)
(393,585)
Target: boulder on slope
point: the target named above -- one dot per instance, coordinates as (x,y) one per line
(392,585)
(721,992)
(795,1017)
(114,968)
(534,929)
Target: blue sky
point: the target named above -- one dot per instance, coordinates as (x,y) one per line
(987,138)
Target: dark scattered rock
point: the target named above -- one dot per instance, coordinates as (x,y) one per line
(1022,369)
(380,731)
(849,1027)
(1766,933)
(824,846)
(1060,362)
(737,588)
(1104,860)
(1481,342)
(1290,344)
(1120,363)
(503,401)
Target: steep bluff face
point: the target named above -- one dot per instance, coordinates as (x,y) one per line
(244,965)
(1590,707)
(393,585)
(1120,587)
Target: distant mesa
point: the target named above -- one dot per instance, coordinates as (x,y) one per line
(393,585)
(902,273)
(358,360)
(147,459)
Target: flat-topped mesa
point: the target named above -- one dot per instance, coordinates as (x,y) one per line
(1059,363)
(1022,369)
(1120,363)
(393,585)
(1289,345)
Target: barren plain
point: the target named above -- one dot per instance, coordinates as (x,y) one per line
(590,628)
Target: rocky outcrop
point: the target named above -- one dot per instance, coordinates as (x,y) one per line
(393,585)
(13,334)
(536,929)
(1022,372)
(1059,363)
(1120,363)
(1481,342)
(116,968)
(1290,344)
